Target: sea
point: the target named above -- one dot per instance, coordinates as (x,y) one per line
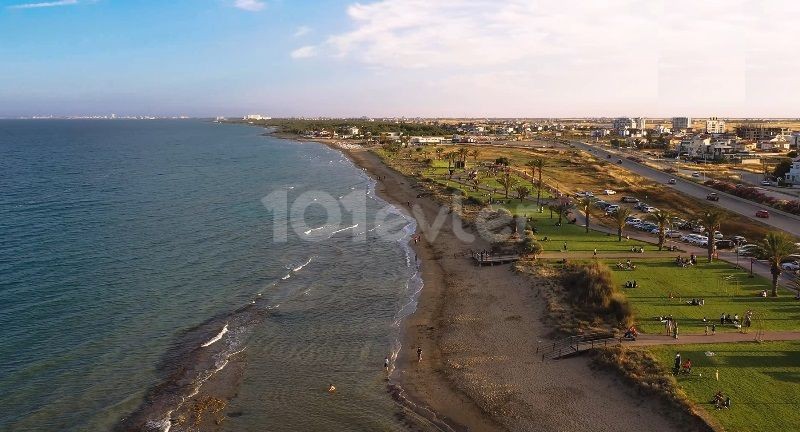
(151,270)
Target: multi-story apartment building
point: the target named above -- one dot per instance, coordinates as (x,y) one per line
(622,126)
(715,126)
(760,132)
(681,123)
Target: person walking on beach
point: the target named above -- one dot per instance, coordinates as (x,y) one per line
(565,246)
(419,354)
(386,364)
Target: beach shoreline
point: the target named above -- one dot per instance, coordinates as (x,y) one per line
(479,330)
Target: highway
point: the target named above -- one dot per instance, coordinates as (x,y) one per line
(785,222)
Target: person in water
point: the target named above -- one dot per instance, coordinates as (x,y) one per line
(331,388)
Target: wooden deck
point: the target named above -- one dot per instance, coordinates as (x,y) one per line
(488,259)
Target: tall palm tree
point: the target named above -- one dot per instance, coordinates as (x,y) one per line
(775,247)
(451,158)
(585,205)
(620,220)
(562,206)
(475,153)
(539,163)
(463,152)
(661,218)
(507,181)
(711,220)
(532,166)
(439,151)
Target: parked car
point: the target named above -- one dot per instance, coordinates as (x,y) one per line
(695,174)
(739,240)
(748,250)
(762,214)
(791,266)
(673,233)
(725,244)
(649,209)
(671,181)
(712,196)
(698,229)
(609,192)
(629,199)
(634,221)
(601,204)
(766,183)
(718,235)
(613,208)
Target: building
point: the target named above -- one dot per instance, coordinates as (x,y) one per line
(419,140)
(681,123)
(793,176)
(389,137)
(715,126)
(760,132)
(626,126)
(256,117)
(794,141)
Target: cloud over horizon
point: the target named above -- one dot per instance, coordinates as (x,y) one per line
(250,5)
(44,4)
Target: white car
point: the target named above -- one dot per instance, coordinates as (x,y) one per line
(699,229)
(613,208)
(673,233)
(766,183)
(609,192)
(718,235)
(633,221)
(695,174)
(791,266)
(648,209)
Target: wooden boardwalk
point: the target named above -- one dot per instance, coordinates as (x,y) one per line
(483,259)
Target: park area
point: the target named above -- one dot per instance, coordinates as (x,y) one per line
(762,380)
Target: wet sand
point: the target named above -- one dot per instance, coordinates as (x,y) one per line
(479,329)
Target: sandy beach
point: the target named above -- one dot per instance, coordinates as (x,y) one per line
(479,329)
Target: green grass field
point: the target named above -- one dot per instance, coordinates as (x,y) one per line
(763,381)
(724,288)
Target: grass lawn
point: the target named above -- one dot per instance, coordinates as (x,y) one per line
(763,381)
(725,290)
(576,237)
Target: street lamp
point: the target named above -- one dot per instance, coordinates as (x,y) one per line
(752,260)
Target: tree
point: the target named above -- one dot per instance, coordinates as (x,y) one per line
(782,168)
(661,218)
(502,161)
(439,151)
(530,246)
(451,157)
(711,220)
(585,205)
(507,181)
(775,247)
(475,153)
(621,219)
(463,152)
(522,192)
(532,166)
(562,207)
(539,163)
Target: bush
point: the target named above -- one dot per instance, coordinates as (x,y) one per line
(475,201)
(592,287)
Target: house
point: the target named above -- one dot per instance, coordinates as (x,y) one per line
(420,140)
(794,141)
(389,137)
(760,132)
(776,144)
(793,176)
(715,126)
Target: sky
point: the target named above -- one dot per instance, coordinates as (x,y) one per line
(382,58)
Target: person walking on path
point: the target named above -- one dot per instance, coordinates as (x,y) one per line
(565,246)
(594,254)
(419,354)
(677,366)
(713,329)
(386,364)
(706,329)
(675,329)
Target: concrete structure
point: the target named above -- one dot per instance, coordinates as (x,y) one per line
(794,141)
(715,126)
(681,123)
(793,176)
(256,117)
(626,126)
(389,136)
(419,140)
(760,132)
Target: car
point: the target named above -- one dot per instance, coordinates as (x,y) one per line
(629,199)
(613,208)
(601,204)
(672,181)
(699,229)
(762,214)
(619,161)
(739,240)
(725,244)
(791,266)
(695,174)
(673,233)
(609,192)
(712,196)
(766,183)
(633,221)
(748,250)
(648,209)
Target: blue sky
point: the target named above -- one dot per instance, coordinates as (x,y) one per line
(399,57)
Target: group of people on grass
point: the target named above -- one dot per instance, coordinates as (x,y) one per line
(627,265)
(721,401)
(670,325)
(686,262)
(631,284)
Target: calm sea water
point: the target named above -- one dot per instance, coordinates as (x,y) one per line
(126,246)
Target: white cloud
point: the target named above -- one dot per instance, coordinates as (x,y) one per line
(304,52)
(302,31)
(44,4)
(622,56)
(249,5)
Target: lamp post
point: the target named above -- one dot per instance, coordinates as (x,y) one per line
(752,260)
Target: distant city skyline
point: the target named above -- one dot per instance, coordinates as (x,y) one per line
(393,58)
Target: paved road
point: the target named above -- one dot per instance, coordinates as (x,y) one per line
(726,337)
(785,222)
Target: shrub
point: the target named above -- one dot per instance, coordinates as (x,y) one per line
(475,201)
(590,284)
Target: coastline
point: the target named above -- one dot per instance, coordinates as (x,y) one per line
(480,329)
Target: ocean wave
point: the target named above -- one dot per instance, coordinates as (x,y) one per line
(300,267)
(307,232)
(345,229)
(217,337)
(287,276)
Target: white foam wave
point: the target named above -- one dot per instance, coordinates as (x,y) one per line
(307,232)
(217,337)
(344,229)
(300,267)
(287,276)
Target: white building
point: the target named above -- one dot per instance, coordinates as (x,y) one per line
(715,126)
(794,141)
(681,123)
(793,176)
(256,117)
(419,140)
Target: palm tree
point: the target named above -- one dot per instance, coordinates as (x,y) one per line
(661,218)
(585,205)
(539,163)
(507,181)
(475,153)
(463,152)
(775,247)
(620,219)
(439,151)
(532,166)
(522,192)
(711,220)
(451,157)
(562,206)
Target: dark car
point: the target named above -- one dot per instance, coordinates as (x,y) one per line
(725,244)
(712,196)
(762,214)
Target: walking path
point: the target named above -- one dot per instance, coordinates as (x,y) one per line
(727,337)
